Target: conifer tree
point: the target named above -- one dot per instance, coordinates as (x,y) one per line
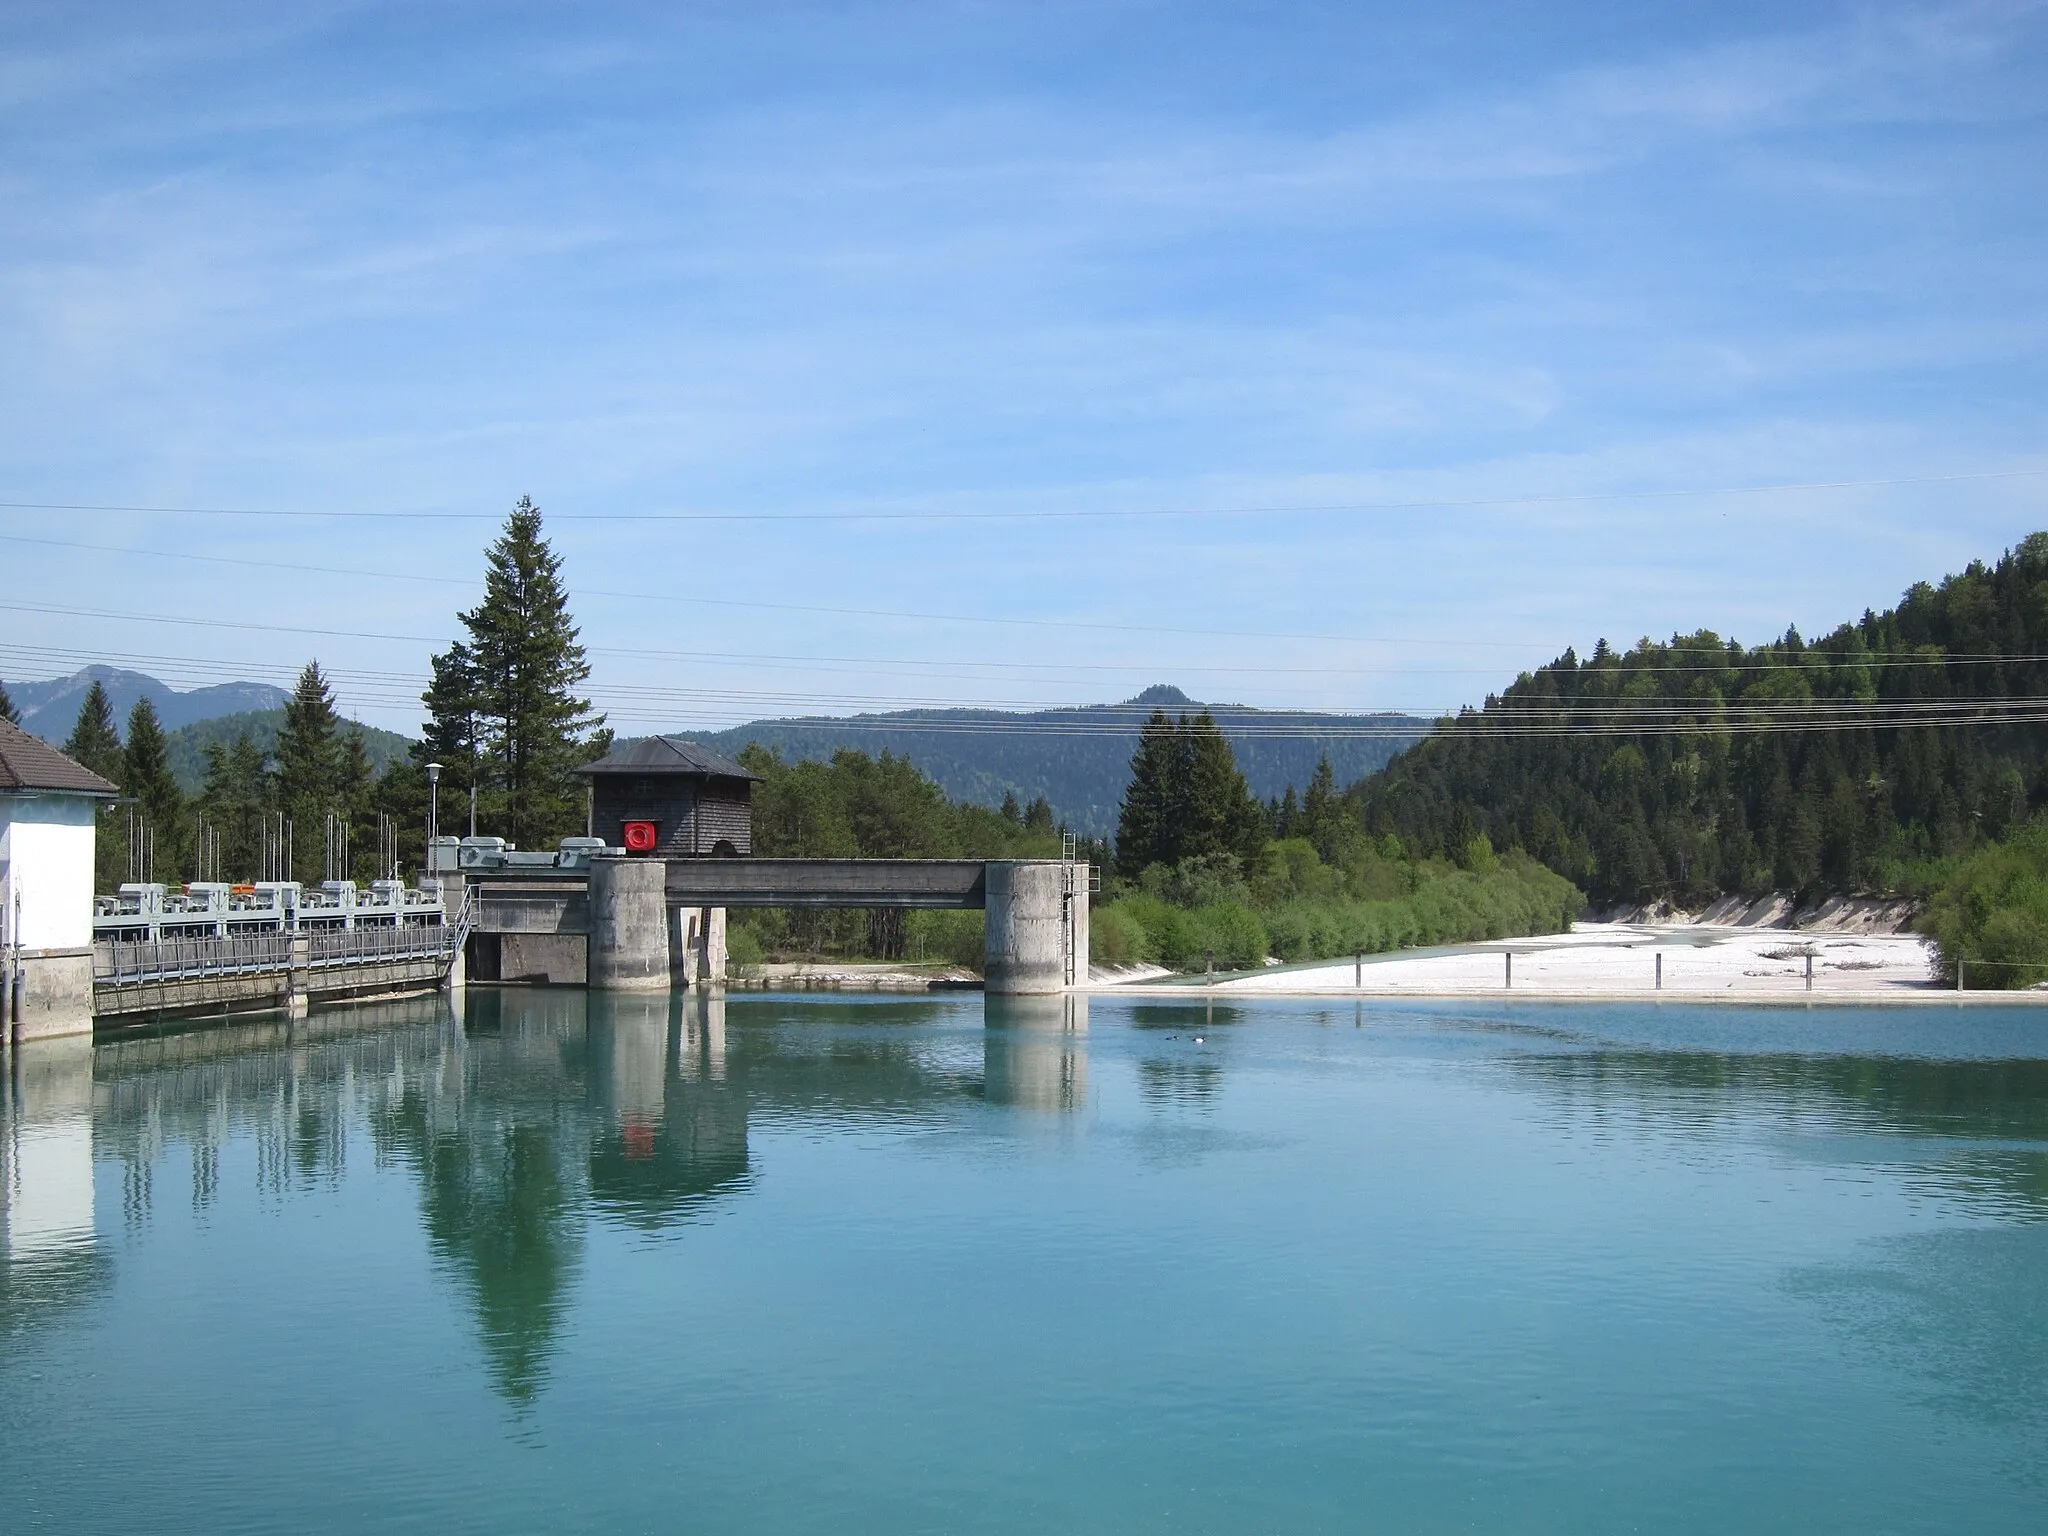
(234,799)
(1222,816)
(1153,801)
(450,737)
(94,741)
(520,669)
(1321,816)
(7,710)
(146,777)
(309,749)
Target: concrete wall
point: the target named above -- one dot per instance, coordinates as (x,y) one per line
(53,994)
(628,924)
(696,945)
(1024,939)
(558,959)
(46,848)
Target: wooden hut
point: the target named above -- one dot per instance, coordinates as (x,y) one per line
(670,798)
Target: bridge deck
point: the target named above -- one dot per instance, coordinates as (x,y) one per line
(827,882)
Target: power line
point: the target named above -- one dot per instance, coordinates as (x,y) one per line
(1037,514)
(730,602)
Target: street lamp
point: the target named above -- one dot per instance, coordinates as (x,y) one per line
(433,808)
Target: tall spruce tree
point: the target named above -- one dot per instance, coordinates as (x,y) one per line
(7,710)
(1321,814)
(309,749)
(1222,816)
(1186,798)
(146,777)
(518,675)
(93,740)
(1147,824)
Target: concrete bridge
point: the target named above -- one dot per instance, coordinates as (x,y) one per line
(631,923)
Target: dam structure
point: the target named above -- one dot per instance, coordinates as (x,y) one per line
(640,904)
(632,923)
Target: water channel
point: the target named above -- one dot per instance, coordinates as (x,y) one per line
(571,1262)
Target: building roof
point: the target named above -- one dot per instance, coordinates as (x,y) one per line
(26,762)
(669,754)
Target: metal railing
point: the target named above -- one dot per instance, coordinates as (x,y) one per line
(122,963)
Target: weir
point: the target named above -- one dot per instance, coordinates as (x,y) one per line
(629,922)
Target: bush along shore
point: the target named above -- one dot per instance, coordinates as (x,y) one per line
(1987,914)
(1291,905)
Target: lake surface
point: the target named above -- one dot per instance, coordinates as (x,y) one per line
(875,1265)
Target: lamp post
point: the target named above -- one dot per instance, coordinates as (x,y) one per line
(433,809)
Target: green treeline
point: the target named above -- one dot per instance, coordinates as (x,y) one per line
(857,806)
(1205,874)
(232,829)
(1637,779)
(505,717)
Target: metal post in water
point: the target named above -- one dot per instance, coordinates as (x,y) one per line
(1358,970)
(1660,970)
(1509,956)
(1809,972)
(1209,970)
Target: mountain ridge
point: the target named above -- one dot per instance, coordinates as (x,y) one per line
(49,708)
(1079,758)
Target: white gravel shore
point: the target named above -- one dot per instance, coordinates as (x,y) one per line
(1621,960)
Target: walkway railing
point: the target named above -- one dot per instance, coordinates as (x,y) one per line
(120,963)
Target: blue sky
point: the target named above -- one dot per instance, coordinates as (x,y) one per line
(800,262)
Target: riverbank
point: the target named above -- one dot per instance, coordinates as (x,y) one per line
(1635,961)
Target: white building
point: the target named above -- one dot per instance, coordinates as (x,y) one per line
(47,811)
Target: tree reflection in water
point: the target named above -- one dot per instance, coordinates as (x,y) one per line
(541,1111)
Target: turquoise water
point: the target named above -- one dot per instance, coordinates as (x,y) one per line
(873,1265)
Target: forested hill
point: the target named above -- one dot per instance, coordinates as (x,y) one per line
(1700,766)
(185,748)
(1080,759)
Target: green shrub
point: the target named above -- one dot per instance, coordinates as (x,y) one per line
(1990,914)
(954,937)
(1116,937)
(742,949)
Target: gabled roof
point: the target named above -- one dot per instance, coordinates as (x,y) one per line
(29,763)
(669,754)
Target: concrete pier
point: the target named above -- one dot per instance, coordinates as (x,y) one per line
(629,930)
(1024,940)
(52,994)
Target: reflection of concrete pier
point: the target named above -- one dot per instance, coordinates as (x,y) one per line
(670,1133)
(1035,1052)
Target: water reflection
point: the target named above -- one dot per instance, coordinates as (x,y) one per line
(1035,1052)
(1973,1129)
(1182,1067)
(670,1129)
(49,1253)
(536,1114)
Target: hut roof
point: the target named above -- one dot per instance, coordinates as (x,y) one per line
(27,763)
(669,754)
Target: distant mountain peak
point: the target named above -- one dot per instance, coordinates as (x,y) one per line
(49,708)
(1162,696)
